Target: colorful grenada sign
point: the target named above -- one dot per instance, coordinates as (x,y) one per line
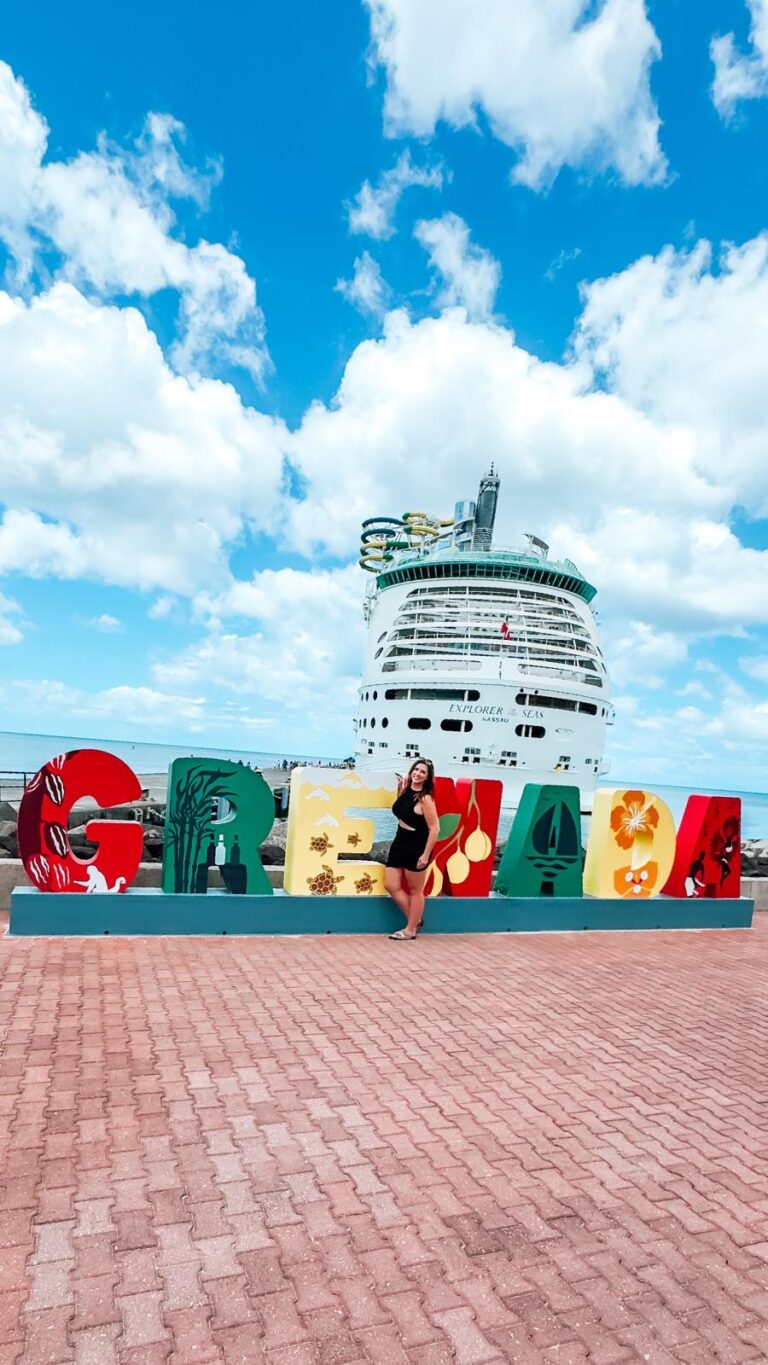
(632,851)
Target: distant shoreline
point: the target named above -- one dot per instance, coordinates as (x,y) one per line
(187,747)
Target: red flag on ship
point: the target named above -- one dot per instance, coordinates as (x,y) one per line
(505,631)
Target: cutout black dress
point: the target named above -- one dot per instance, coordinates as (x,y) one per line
(408,844)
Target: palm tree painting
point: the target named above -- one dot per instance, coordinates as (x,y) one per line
(196,840)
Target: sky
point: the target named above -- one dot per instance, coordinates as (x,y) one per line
(272,269)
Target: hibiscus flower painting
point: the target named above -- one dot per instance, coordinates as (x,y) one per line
(635,817)
(631,845)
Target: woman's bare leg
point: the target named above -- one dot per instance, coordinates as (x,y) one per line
(415,883)
(393,885)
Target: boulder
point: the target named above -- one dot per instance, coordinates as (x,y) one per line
(153,844)
(7,811)
(8,837)
(81,845)
(754,858)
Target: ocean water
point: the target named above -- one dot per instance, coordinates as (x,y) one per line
(754,805)
(27,753)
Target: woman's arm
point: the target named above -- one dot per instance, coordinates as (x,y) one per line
(429,811)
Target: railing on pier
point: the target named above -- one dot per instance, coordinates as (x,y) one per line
(13,780)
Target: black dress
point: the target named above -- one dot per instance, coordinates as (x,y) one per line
(408,844)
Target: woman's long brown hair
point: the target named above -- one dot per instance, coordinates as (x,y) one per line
(429,784)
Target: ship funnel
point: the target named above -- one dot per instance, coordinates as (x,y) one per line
(486,510)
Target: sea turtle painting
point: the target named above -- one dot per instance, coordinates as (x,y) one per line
(324,883)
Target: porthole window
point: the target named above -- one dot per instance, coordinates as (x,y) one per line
(385,723)
(419,723)
(473,694)
(375,696)
(373,721)
(530,731)
(460,725)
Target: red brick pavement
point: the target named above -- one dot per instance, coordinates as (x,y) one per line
(324,1151)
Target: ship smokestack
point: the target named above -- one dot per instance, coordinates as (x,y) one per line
(485,516)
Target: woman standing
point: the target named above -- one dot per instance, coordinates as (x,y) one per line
(411,849)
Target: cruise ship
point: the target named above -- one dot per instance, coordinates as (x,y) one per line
(482,658)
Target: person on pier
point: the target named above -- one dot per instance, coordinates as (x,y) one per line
(411,849)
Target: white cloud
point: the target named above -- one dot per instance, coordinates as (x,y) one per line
(109,214)
(721,749)
(756,667)
(10,633)
(373,210)
(106,624)
(562,259)
(161,608)
(299,667)
(316,602)
(562,82)
(694,688)
(683,337)
(367,290)
(430,403)
(470,274)
(144,707)
(640,654)
(738,75)
(680,574)
(112,466)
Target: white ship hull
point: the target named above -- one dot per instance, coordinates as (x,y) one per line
(497,679)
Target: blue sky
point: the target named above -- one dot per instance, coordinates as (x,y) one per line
(220,352)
